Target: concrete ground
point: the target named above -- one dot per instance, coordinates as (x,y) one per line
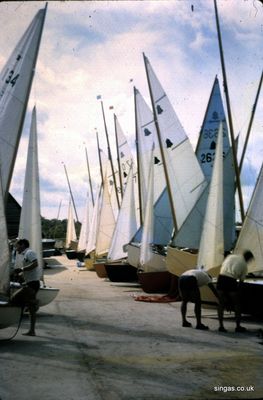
(94,342)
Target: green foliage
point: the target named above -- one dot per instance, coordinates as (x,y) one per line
(56,228)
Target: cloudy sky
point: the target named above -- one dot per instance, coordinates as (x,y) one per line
(92,48)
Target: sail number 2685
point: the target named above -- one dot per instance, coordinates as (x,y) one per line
(208,157)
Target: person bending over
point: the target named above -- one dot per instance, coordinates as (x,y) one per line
(189,283)
(232,273)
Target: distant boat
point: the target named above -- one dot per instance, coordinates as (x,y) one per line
(71,236)
(16,80)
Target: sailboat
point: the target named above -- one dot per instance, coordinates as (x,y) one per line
(104,223)
(30,219)
(146,136)
(117,267)
(84,232)
(16,81)
(184,177)
(9,315)
(251,237)
(182,254)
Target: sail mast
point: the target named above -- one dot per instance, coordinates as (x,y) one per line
(118,155)
(71,194)
(98,146)
(90,183)
(138,157)
(161,146)
(109,154)
(250,123)
(242,213)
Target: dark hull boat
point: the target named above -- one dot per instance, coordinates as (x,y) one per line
(121,272)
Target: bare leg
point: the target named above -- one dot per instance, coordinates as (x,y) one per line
(183,311)
(32,308)
(220,312)
(235,298)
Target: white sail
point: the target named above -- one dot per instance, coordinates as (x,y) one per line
(106,222)
(85,227)
(15,84)
(205,152)
(211,251)
(125,154)
(71,235)
(92,237)
(190,233)
(4,250)
(147,232)
(185,175)
(146,136)
(251,234)
(126,224)
(30,218)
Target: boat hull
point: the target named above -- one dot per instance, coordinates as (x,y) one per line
(178,261)
(71,254)
(155,282)
(251,297)
(120,272)
(156,263)
(46,295)
(9,315)
(100,270)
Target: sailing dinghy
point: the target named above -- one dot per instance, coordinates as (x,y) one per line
(16,81)
(182,254)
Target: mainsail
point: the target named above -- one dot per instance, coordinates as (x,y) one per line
(146,137)
(107,222)
(71,235)
(126,224)
(30,218)
(15,84)
(183,172)
(92,237)
(85,227)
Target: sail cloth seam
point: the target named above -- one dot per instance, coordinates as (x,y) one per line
(160,98)
(196,187)
(148,123)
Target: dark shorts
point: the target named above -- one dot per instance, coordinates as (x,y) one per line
(188,288)
(35,285)
(226,284)
(26,294)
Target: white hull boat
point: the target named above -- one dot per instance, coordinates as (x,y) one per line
(9,315)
